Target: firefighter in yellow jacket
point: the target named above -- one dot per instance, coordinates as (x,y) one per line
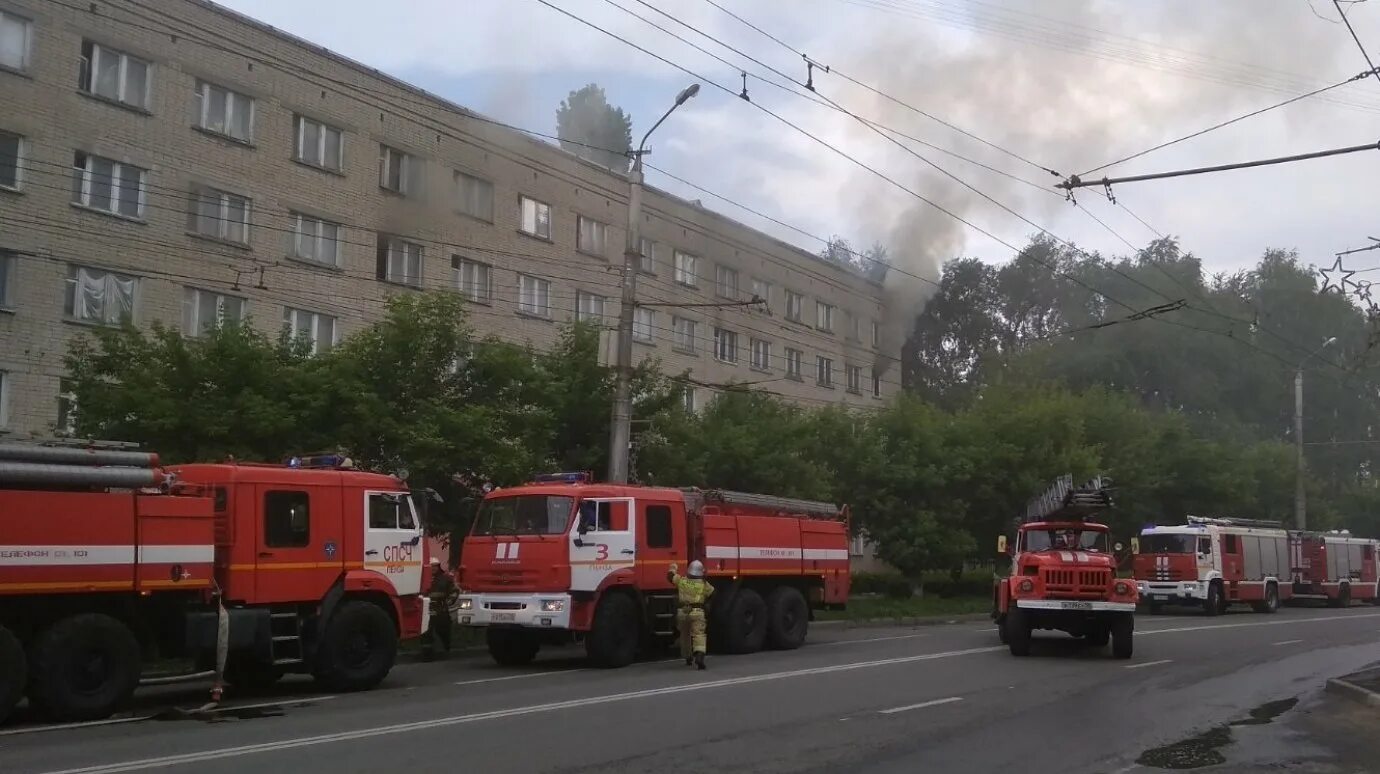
(693,594)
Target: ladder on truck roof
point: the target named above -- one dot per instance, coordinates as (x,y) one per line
(78,464)
(1065,501)
(1235,522)
(811,508)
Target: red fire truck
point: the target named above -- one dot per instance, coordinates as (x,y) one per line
(108,560)
(562,559)
(1214,563)
(1063,573)
(1333,566)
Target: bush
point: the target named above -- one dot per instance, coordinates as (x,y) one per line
(970,583)
(890,584)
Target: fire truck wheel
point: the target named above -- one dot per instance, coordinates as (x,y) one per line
(358,647)
(1123,628)
(612,642)
(13,672)
(745,625)
(512,647)
(1214,604)
(83,668)
(1343,598)
(1271,603)
(788,618)
(1017,631)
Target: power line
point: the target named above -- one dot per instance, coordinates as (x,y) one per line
(1355,37)
(1077,182)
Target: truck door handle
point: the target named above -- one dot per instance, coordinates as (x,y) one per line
(371,553)
(265,554)
(628,551)
(415,540)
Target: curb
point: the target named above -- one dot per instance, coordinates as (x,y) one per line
(1343,687)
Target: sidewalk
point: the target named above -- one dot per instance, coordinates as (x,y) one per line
(1363,686)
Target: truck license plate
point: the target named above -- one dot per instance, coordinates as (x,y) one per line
(1077,606)
(1160,597)
(500,617)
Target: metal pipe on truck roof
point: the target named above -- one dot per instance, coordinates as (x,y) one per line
(68,455)
(48,474)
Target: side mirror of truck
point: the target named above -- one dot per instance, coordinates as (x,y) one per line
(1135,545)
(1001,544)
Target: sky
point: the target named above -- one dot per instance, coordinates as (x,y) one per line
(1061,85)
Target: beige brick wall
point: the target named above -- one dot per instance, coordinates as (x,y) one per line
(187,40)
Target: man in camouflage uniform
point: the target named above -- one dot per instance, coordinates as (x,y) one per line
(442,594)
(693,594)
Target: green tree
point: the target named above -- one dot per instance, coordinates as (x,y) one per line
(592,129)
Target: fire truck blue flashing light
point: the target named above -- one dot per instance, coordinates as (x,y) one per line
(318,461)
(563,478)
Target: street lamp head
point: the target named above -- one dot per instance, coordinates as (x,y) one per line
(687,93)
(1330,341)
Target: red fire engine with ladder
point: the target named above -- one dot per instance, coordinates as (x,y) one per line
(563,559)
(109,560)
(1063,573)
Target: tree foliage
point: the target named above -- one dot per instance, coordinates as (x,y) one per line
(592,129)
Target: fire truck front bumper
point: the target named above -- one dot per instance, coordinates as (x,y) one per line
(1076,605)
(538,611)
(1172,591)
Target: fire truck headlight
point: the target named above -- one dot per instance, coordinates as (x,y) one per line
(1122,588)
(1026,586)
(466,604)
(552,605)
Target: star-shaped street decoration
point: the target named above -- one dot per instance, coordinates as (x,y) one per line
(1336,277)
(1363,292)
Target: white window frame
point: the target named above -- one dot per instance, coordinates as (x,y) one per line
(91,69)
(110,279)
(795,306)
(534,296)
(876,334)
(824,316)
(853,378)
(687,268)
(761,354)
(647,250)
(596,243)
(484,191)
(795,363)
(317,157)
(293,315)
(222,223)
(473,279)
(590,307)
(644,325)
(854,326)
(683,334)
(68,396)
(687,400)
(118,171)
(405,162)
(193,313)
(9,273)
(317,236)
(399,258)
(824,371)
(21,145)
(725,281)
(26,45)
(539,223)
(206,94)
(725,345)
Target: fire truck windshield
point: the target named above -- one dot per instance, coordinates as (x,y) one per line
(524,515)
(1066,539)
(1163,543)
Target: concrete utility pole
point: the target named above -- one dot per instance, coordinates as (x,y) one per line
(620,434)
(1300,505)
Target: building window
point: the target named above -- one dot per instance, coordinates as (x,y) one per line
(221,215)
(591,236)
(16,35)
(395,170)
(854,326)
(473,279)
(99,296)
(66,408)
(644,321)
(647,260)
(795,363)
(11,151)
(589,307)
(687,268)
(824,316)
(688,399)
(761,289)
(683,335)
(226,112)
(475,195)
(824,371)
(399,261)
(316,329)
(108,186)
(315,240)
(114,75)
(876,383)
(795,306)
(9,269)
(204,310)
(287,521)
(725,345)
(854,376)
(534,295)
(726,281)
(876,334)
(320,144)
(536,217)
(761,354)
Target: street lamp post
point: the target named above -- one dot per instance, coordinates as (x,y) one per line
(1300,504)
(620,434)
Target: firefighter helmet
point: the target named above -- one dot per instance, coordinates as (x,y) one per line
(696,569)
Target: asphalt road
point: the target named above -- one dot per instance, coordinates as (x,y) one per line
(1242,687)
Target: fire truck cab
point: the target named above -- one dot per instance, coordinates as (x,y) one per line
(563,559)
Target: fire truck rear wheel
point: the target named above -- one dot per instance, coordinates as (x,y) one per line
(1017,624)
(745,624)
(612,642)
(1123,628)
(1271,603)
(788,618)
(13,672)
(358,647)
(512,647)
(83,668)
(1343,598)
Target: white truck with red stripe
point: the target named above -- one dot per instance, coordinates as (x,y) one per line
(564,559)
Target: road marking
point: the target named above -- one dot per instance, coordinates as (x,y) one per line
(1287,642)
(921,705)
(520,677)
(874,639)
(1282,622)
(402,728)
(1148,664)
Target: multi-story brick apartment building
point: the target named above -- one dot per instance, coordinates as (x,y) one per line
(172,160)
